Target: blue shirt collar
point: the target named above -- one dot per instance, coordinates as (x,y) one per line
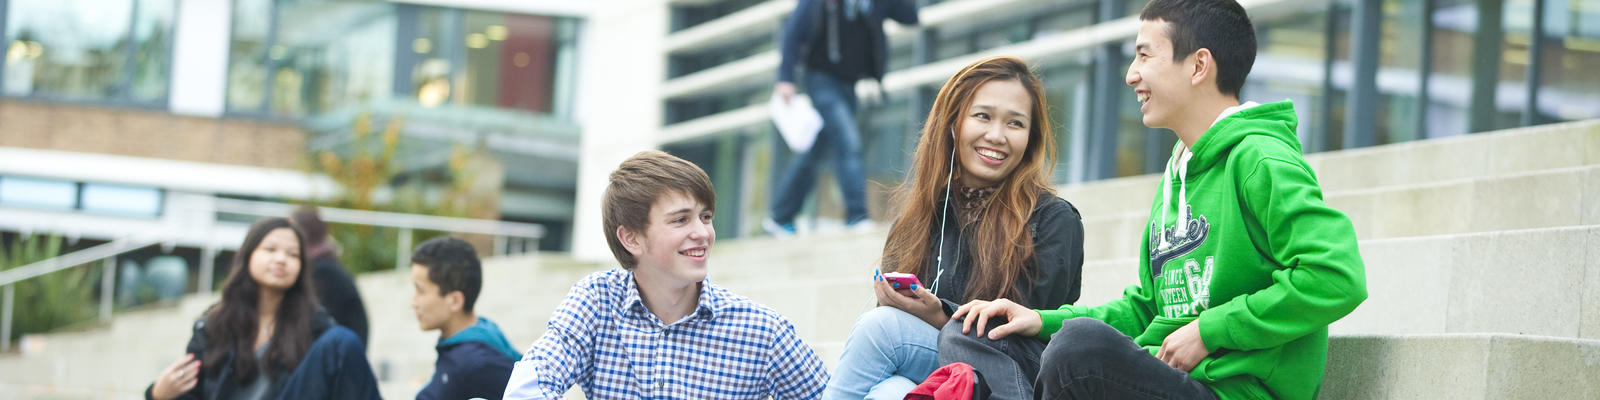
(710,302)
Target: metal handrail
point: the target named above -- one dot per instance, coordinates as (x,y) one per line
(387,219)
(76,258)
(108,252)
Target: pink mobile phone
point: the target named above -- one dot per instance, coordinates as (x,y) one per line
(901,281)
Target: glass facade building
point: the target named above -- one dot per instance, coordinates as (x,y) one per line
(1361,73)
(100,51)
(499,77)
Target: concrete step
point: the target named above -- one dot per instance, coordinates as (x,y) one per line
(1434,284)
(815,256)
(21,391)
(1489,155)
(1461,366)
(1507,152)
(1540,199)
(1535,281)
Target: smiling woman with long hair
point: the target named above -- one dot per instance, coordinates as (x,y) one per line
(978,219)
(267,338)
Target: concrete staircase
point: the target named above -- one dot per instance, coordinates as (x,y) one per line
(1482,258)
(1461,366)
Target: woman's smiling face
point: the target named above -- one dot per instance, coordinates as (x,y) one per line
(992,133)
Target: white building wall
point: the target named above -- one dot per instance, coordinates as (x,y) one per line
(199,58)
(618,104)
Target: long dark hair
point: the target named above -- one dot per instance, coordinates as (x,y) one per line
(1002,249)
(232,324)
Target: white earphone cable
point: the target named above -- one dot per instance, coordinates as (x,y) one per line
(944,215)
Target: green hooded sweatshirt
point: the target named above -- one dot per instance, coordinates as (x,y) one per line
(1239,237)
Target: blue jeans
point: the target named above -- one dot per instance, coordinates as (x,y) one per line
(1008,365)
(835,100)
(335,368)
(888,353)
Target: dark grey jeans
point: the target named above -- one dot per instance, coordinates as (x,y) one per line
(1086,359)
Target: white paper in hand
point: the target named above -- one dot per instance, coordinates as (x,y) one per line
(797,122)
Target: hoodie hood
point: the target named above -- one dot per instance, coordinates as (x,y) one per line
(486,332)
(1272,120)
(1213,145)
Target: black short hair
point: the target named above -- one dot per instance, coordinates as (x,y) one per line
(453,265)
(1221,26)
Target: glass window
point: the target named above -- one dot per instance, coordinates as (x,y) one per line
(121,200)
(889,135)
(1399,77)
(100,50)
(1062,22)
(338,53)
(689,14)
(510,61)
(1569,90)
(152,60)
(1450,77)
(44,193)
(1290,65)
(1457,69)
(1517,22)
(247,54)
(1342,74)
(689,62)
(321,56)
(434,54)
(1140,149)
(1135,6)
(1066,90)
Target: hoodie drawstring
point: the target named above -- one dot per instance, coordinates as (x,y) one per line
(1180,158)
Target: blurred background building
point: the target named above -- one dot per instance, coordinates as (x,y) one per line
(127,117)
(1361,73)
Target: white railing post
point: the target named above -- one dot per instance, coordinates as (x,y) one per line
(208,266)
(108,288)
(402,252)
(5,317)
(500,245)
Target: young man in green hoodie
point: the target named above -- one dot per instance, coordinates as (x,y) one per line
(475,358)
(1242,266)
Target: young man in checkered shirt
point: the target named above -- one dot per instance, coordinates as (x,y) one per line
(657,328)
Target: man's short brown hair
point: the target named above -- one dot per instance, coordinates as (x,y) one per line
(634,188)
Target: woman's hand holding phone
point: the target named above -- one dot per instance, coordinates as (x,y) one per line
(910,297)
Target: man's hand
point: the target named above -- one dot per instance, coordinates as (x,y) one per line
(785,89)
(1184,348)
(916,301)
(1019,319)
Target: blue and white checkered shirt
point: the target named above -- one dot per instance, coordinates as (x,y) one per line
(602,339)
